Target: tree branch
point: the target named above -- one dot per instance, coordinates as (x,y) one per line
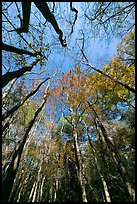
(10,48)
(110,77)
(76,11)
(14,164)
(6,78)
(12,110)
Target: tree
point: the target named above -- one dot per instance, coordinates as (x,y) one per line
(12,110)
(44,9)
(10,48)
(75,98)
(13,166)
(68,128)
(108,18)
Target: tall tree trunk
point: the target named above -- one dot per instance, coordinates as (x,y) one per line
(21,187)
(51,193)
(35,192)
(32,192)
(78,160)
(106,191)
(79,166)
(117,159)
(56,190)
(104,183)
(41,188)
(14,164)
(12,110)
(115,156)
(6,92)
(18,186)
(37,183)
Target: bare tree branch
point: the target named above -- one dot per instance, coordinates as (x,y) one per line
(76,11)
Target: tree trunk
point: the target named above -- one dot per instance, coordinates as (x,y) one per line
(14,164)
(6,92)
(20,193)
(106,191)
(78,160)
(51,193)
(116,157)
(32,191)
(6,78)
(41,188)
(37,183)
(26,10)
(35,192)
(12,110)
(48,15)
(18,186)
(56,190)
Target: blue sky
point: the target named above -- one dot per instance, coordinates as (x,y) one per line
(98,50)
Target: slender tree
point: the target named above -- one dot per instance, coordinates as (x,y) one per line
(14,164)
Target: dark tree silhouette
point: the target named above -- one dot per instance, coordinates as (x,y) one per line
(48,15)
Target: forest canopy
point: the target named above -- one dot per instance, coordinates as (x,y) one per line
(68,114)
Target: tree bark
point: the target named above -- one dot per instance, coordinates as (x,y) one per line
(116,157)
(18,186)
(20,193)
(35,192)
(48,15)
(56,190)
(41,188)
(37,183)
(44,9)
(6,92)
(32,191)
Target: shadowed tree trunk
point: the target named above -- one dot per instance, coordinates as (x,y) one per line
(78,159)
(104,183)
(14,164)
(6,78)
(115,156)
(12,110)
(48,15)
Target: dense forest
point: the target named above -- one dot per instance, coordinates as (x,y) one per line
(68,132)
